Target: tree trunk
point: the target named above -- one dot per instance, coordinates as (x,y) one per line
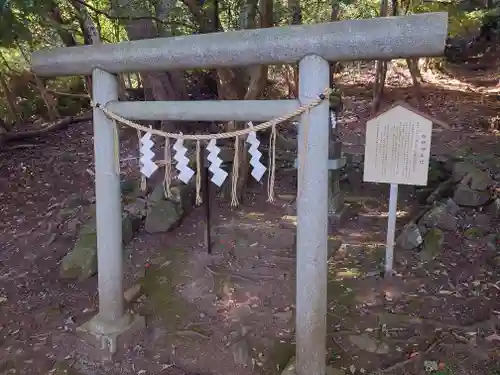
(160,85)
(234,84)
(295,12)
(295,18)
(67,37)
(412,63)
(334,16)
(380,68)
(11,102)
(47,98)
(266,11)
(415,74)
(157,85)
(163,9)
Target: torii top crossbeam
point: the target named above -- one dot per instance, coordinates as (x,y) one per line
(368,39)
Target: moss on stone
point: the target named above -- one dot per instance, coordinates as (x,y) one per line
(433,243)
(159,284)
(279,355)
(474,233)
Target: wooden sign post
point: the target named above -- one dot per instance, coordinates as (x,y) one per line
(397,152)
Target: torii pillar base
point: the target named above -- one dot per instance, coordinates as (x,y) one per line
(104,338)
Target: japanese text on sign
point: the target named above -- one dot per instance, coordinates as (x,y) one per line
(397,148)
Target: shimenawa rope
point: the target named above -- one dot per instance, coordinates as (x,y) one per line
(206,137)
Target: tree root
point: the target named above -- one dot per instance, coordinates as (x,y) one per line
(402,318)
(230,274)
(189,333)
(433,344)
(58,125)
(440,191)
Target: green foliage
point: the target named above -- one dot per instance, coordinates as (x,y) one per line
(492,17)
(351,9)
(26,25)
(12,26)
(460,21)
(21,20)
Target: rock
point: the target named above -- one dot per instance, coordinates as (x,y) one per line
(465,196)
(333,245)
(242,353)
(452,207)
(459,170)
(165,214)
(81,262)
(439,217)
(284,316)
(7,366)
(130,225)
(437,172)
(477,180)
(162,214)
(132,293)
(136,207)
(433,243)
(422,193)
(185,195)
(482,220)
(493,208)
(278,353)
(410,238)
(474,233)
(491,162)
(130,187)
(367,343)
(493,241)
(355,178)
(290,368)
(444,189)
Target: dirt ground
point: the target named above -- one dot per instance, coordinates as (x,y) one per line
(233,312)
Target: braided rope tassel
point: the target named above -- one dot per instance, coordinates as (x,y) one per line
(198,174)
(236,170)
(272,165)
(167,180)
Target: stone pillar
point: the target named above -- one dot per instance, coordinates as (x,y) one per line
(312,219)
(111,322)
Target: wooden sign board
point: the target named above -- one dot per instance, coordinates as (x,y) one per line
(397,148)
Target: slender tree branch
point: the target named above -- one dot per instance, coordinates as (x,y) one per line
(133,18)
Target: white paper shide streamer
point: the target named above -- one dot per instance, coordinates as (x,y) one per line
(258,168)
(148,166)
(185,173)
(218,174)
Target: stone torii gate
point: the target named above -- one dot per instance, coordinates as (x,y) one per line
(313,46)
